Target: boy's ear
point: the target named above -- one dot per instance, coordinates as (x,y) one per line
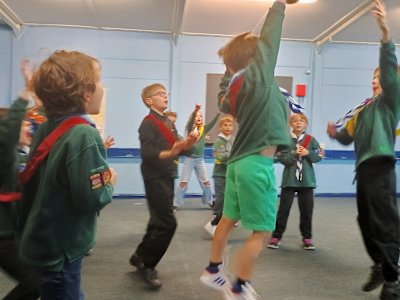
(87,97)
(148,101)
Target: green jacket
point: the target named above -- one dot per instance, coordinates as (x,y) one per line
(10,127)
(197,150)
(62,200)
(289,158)
(259,108)
(376,124)
(221,149)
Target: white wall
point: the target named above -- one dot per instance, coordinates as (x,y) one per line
(337,76)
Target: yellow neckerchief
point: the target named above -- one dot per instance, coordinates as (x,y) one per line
(351,124)
(200,129)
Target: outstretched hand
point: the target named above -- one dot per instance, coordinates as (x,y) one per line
(380,14)
(331,130)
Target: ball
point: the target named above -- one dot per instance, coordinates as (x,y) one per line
(291,1)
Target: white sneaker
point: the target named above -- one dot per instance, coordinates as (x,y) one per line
(218,281)
(248,293)
(210,228)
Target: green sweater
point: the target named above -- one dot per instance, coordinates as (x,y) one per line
(259,108)
(62,201)
(374,134)
(221,149)
(288,158)
(197,150)
(10,127)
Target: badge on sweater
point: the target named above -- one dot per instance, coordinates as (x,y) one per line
(100,179)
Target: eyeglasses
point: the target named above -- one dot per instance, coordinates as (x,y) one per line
(161,93)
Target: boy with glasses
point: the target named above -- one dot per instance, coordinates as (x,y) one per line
(159,150)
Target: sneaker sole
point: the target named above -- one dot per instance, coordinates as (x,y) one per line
(273,246)
(226,285)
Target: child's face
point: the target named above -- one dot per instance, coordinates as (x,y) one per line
(158,101)
(376,84)
(226,128)
(198,119)
(25,137)
(298,125)
(94,99)
(172,118)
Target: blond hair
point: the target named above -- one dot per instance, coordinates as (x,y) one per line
(226,118)
(150,90)
(298,116)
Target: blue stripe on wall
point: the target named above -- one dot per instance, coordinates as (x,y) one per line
(134,153)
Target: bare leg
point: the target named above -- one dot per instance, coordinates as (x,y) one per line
(248,253)
(220,239)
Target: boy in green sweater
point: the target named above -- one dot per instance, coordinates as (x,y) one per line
(251,94)
(62,199)
(298,177)
(372,128)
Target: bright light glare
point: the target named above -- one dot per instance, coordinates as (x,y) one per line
(301,1)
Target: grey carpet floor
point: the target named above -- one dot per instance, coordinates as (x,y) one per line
(335,270)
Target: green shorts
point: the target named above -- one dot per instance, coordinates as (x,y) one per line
(250,193)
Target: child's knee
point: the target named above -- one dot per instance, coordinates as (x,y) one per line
(183,184)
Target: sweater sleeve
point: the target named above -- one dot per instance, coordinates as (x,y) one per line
(266,54)
(210,125)
(315,153)
(389,78)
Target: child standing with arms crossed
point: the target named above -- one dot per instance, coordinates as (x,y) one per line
(298,176)
(372,128)
(63,196)
(253,97)
(221,149)
(159,150)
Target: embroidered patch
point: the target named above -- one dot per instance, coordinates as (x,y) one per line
(100,179)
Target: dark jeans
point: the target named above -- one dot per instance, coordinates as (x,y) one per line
(306,205)
(27,287)
(62,285)
(219,183)
(162,224)
(378,215)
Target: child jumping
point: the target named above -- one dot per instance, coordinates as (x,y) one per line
(371,126)
(251,94)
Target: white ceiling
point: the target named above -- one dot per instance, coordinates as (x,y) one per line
(333,20)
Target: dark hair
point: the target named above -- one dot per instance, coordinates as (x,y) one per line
(62,81)
(239,51)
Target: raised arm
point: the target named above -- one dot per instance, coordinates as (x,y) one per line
(388,65)
(268,45)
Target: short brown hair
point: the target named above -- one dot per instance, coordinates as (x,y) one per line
(151,89)
(226,118)
(239,51)
(62,81)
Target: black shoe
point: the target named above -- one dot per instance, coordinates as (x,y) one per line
(150,275)
(390,291)
(136,261)
(375,279)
